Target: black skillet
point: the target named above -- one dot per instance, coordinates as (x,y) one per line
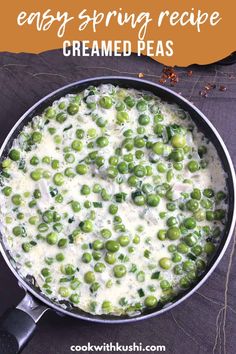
(18,324)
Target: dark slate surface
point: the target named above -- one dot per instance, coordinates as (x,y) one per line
(204,323)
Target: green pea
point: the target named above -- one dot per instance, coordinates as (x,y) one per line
(164,284)
(178,141)
(102,141)
(139,142)
(113,209)
(220,196)
(43,227)
(129,101)
(210,215)
(110,258)
(161,167)
(14,155)
(34,161)
(63,291)
(153,200)
(139,171)
(136,240)
(144,119)
(76,207)
(81,169)
(7,191)
(184,282)
(119,270)
(16,199)
(45,272)
(112,246)
(122,167)
(206,203)
(188,266)
(178,166)
(161,235)
(209,248)
(97,245)
(86,226)
(165,263)
(47,216)
(26,246)
(58,179)
(99,161)
(182,248)
(120,106)
(74,284)
(190,223)
(139,200)
(219,214)
(36,175)
(55,164)
(68,269)
(62,243)
(61,117)
(86,257)
(89,277)
(123,240)
(77,145)
(72,109)
(80,133)
(85,189)
(50,113)
(133,180)
(36,137)
(158,148)
(173,233)
(96,255)
(74,298)
(122,117)
(107,306)
(33,220)
(99,267)
(17,230)
(141,105)
(177,155)
(150,301)
(208,192)
(171,221)
(104,194)
(193,166)
(158,129)
(197,250)
(106,233)
(201,265)
(52,238)
(178,269)
(192,205)
(190,240)
(105,102)
(60,257)
(176,257)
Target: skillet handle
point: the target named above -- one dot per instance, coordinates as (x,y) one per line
(17,325)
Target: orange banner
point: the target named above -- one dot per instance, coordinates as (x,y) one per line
(174,33)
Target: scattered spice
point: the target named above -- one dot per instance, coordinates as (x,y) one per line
(204,92)
(168,73)
(222,88)
(140,75)
(206,89)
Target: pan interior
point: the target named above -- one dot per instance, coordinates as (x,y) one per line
(203,126)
